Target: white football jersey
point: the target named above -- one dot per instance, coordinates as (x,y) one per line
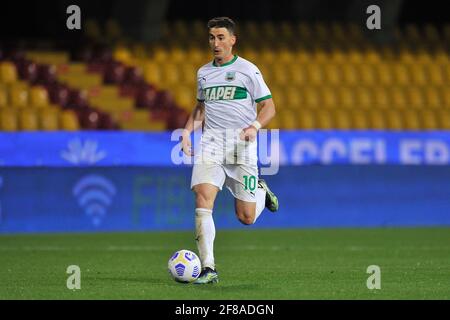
(230,93)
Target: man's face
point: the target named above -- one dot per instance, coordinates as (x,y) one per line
(221,42)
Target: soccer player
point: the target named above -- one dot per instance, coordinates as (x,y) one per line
(228,91)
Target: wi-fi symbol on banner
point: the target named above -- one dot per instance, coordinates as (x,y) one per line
(94,194)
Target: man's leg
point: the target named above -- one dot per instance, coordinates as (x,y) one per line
(205,231)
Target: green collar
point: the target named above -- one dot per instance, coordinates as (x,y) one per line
(225,64)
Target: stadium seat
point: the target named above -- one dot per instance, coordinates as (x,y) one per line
(8,120)
(415,97)
(411,119)
(360,119)
(329,97)
(311,97)
(444,119)
(18,96)
(394,120)
(69,120)
(28,119)
(288,119)
(8,73)
(398,98)
(324,120)
(364,98)
(49,119)
(342,119)
(429,120)
(306,119)
(347,98)
(377,120)
(38,97)
(3,96)
(332,74)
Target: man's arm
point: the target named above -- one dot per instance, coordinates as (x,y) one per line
(266,113)
(194,122)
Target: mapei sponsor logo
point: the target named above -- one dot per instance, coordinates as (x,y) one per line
(80,152)
(225,93)
(94,194)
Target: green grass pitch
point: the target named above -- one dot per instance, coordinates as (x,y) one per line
(252,264)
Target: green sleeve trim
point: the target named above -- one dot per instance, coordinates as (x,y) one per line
(263,98)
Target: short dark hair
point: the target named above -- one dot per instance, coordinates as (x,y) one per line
(222,22)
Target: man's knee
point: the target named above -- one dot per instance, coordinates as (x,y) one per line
(245,216)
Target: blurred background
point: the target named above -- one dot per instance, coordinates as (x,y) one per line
(85,114)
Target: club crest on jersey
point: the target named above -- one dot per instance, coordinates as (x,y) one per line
(230,76)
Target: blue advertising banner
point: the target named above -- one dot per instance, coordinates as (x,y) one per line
(159,198)
(69,149)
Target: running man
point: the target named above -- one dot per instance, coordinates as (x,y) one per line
(228,91)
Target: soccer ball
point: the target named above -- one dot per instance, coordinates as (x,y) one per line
(184,266)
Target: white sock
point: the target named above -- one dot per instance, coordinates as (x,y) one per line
(260,202)
(205,232)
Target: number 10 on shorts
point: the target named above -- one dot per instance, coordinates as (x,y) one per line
(249,183)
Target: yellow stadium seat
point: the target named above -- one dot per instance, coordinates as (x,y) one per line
(278,95)
(415,97)
(432,98)
(28,119)
(302,57)
(364,98)
(372,56)
(288,119)
(401,74)
(8,72)
(306,119)
(398,98)
(3,97)
(315,74)
(286,56)
(38,97)
(429,120)
(49,119)
(444,119)
(332,74)
(177,55)
(445,98)
(329,97)
(360,120)
(297,75)
(338,56)
(347,98)
(280,76)
(350,75)
(18,96)
(268,57)
(171,74)
(268,29)
(342,119)
(418,75)
(69,121)
(324,120)
(367,74)
(188,74)
(305,31)
(384,74)
(8,120)
(394,120)
(377,120)
(293,98)
(435,75)
(381,98)
(411,119)
(160,54)
(152,73)
(311,97)
(355,57)
(185,97)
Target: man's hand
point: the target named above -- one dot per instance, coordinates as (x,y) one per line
(249,133)
(186,144)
